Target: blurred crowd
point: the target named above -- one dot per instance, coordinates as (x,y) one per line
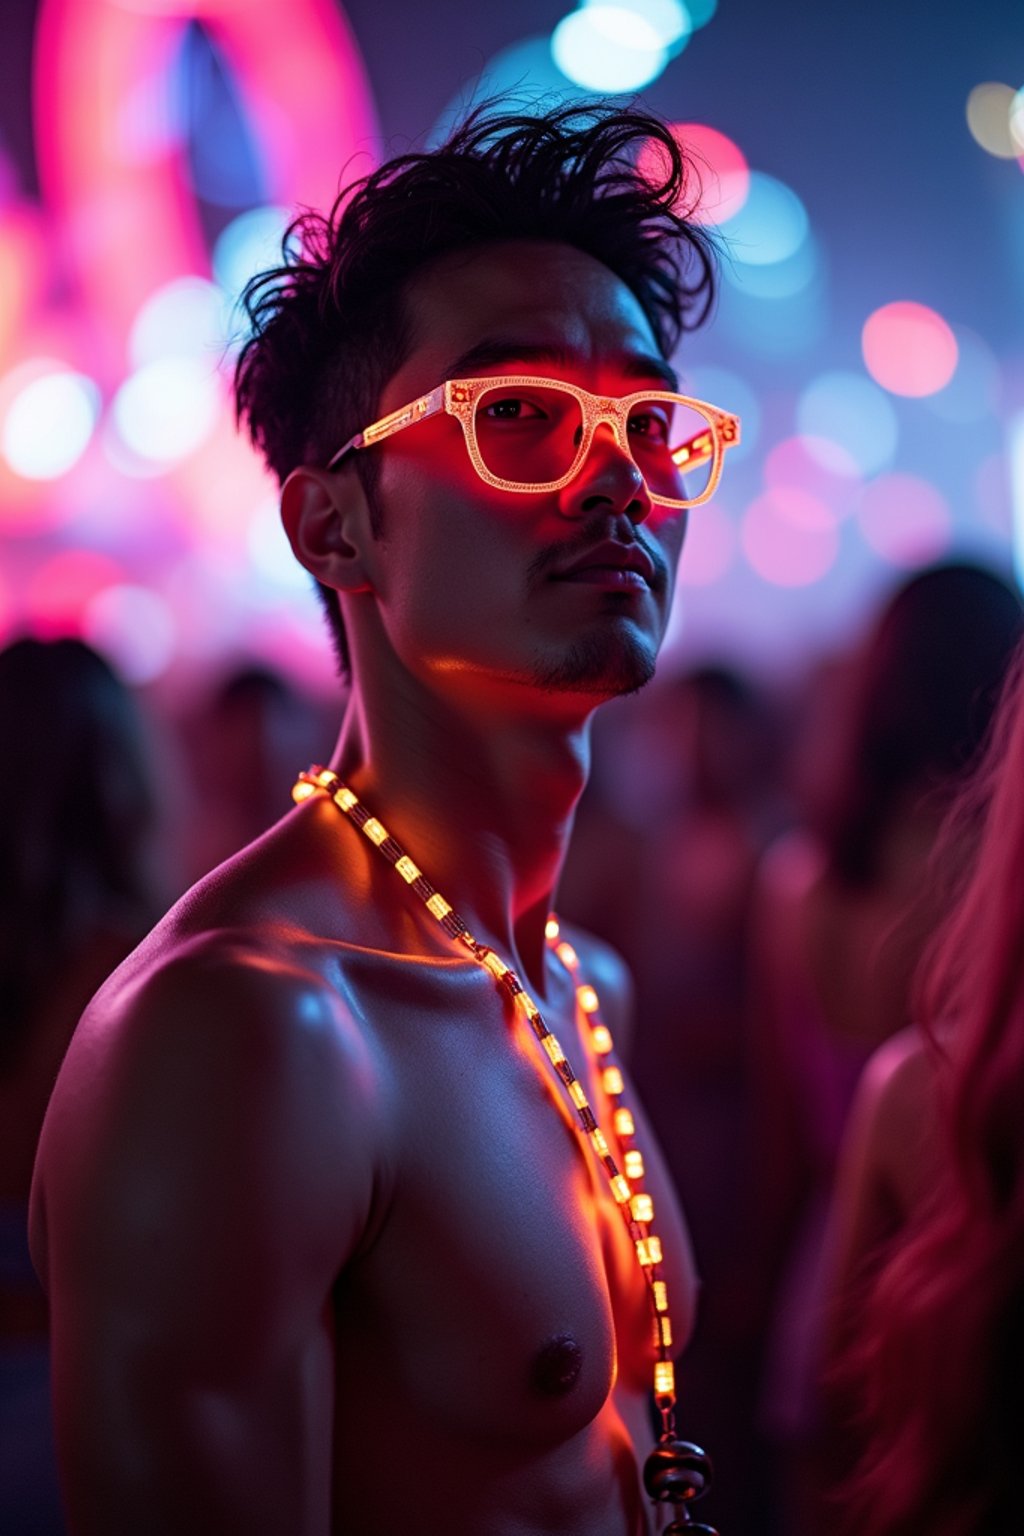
(818,884)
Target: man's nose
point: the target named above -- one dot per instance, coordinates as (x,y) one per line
(607,480)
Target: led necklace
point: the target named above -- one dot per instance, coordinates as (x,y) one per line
(676,1471)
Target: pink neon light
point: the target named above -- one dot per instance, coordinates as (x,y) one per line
(815,465)
(909,349)
(62,588)
(114,172)
(905,519)
(790,537)
(721,165)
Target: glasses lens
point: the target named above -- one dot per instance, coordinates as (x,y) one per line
(528,433)
(673,445)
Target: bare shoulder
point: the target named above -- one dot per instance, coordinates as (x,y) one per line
(216,1058)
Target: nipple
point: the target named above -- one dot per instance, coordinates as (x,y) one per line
(557,1366)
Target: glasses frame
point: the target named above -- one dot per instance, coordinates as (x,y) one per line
(458,397)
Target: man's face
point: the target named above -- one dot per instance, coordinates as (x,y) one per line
(562,593)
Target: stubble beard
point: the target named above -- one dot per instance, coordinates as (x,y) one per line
(603,665)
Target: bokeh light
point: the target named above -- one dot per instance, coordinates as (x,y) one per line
(785,279)
(710,546)
(134,628)
(771,225)
(270,552)
(249,244)
(989,108)
(854,413)
(48,423)
(727,390)
(669,20)
(608,48)
(701,12)
(905,519)
(909,349)
(790,537)
(185,318)
(1017,120)
(975,390)
(720,165)
(166,409)
(815,466)
(1015,443)
(62,587)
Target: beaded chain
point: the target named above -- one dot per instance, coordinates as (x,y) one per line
(676,1482)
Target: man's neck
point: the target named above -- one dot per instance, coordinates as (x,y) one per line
(482,800)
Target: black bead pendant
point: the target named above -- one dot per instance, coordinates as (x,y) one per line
(677,1472)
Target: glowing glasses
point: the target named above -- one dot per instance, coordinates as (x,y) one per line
(533,434)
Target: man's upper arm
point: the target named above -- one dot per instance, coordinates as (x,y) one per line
(204,1172)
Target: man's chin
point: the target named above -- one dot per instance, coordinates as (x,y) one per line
(603,665)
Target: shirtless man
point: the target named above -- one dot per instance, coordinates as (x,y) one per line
(325,1246)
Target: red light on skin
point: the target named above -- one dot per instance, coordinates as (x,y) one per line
(909,349)
(721,165)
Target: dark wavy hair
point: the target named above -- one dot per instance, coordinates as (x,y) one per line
(328,327)
(923,698)
(937,1361)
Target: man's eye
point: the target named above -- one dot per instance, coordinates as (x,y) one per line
(650,424)
(512,408)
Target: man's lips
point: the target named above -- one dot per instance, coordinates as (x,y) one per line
(617,566)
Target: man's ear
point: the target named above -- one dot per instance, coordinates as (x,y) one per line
(328,525)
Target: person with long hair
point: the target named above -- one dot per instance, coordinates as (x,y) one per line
(77,891)
(844,910)
(927,1250)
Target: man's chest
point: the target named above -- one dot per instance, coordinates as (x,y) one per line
(502,1278)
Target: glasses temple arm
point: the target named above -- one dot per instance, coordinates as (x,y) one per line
(395,421)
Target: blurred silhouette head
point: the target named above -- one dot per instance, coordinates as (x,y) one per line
(77,811)
(922,699)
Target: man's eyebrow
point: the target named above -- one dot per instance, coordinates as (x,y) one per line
(495,353)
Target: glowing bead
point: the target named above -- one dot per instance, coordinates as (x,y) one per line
(587,999)
(611,1080)
(624,1124)
(344,798)
(567,955)
(375,831)
(528,1005)
(553,1049)
(598,1142)
(302,791)
(634,1162)
(643,1252)
(663,1334)
(664,1378)
(496,965)
(621,1189)
(438,906)
(642,1207)
(660,1296)
(551,929)
(577,1094)
(407,869)
(325,778)
(654,1248)
(600,1039)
